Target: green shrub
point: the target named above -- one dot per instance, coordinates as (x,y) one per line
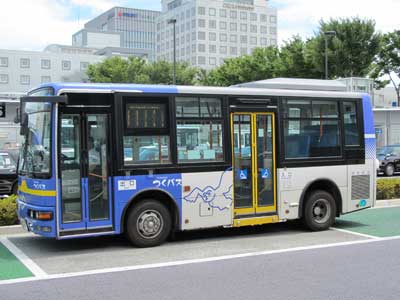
(8,211)
(388,188)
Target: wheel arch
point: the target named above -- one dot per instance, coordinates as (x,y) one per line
(159,195)
(324,184)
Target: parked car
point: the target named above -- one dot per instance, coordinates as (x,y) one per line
(8,173)
(389,159)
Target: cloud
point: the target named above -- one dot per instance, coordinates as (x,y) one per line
(302,17)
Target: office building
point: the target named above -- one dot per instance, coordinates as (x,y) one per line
(207,32)
(121,28)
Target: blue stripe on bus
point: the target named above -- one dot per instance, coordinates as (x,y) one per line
(369,127)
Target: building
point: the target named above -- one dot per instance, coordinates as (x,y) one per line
(20,71)
(121,28)
(208,31)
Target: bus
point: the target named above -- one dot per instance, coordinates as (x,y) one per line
(151,160)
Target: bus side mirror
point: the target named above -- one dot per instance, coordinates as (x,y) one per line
(24,124)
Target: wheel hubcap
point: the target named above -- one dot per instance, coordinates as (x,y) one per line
(321,211)
(150,224)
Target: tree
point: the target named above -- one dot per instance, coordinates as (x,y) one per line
(137,70)
(351,52)
(388,61)
(263,63)
(295,61)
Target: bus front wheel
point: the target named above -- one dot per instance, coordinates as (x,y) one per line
(319,211)
(148,224)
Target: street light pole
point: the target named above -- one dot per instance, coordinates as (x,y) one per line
(327,33)
(173,22)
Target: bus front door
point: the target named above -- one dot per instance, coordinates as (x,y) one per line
(253,140)
(85,204)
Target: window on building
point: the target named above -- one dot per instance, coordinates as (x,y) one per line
(233,38)
(193,10)
(263,41)
(193,48)
(222,13)
(243,39)
(263,29)
(193,24)
(194,60)
(311,129)
(199,129)
(212,36)
(202,48)
(253,28)
(45,79)
(201,60)
(233,26)
(253,40)
(193,36)
(201,35)
(46,64)
(233,14)
(201,23)
(212,24)
(187,13)
(272,19)
(25,80)
(24,63)
(253,17)
(243,15)
(212,48)
(201,11)
(243,27)
(149,116)
(233,51)
(222,25)
(351,130)
(3,61)
(263,18)
(212,61)
(3,78)
(84,65)
(223,37)
(272,30)
(66,65)
(222,49)
(243,51)
(212,12)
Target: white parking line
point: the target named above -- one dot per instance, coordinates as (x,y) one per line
(194,261)
(355,233)
(33,267)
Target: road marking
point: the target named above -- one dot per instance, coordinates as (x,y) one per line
(25,260)
(195,261)
(355,233)
(380,207)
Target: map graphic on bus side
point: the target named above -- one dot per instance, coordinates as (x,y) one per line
(219,196)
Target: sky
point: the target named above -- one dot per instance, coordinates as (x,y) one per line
(33,24)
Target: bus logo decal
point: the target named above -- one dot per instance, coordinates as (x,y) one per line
(219,197)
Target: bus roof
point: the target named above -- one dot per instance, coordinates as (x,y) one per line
(60,88)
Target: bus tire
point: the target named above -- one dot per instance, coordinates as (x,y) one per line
(319,211)
(148,224)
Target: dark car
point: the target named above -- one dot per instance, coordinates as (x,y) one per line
(8,174)
(389,159)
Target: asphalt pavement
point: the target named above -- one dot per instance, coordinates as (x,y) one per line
(360,271)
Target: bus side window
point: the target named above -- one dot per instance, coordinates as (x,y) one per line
(351,130)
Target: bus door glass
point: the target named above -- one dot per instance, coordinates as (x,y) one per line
(253,139)
(84,171)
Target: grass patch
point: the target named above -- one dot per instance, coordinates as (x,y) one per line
(388,188)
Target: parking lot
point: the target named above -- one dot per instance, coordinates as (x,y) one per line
(24,256)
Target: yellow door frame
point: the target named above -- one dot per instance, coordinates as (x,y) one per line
(255,209)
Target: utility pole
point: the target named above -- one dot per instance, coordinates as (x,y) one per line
(327,34)
(173,22)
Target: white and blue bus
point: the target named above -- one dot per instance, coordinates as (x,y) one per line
(149,160)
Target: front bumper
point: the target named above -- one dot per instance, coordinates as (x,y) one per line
(43,228)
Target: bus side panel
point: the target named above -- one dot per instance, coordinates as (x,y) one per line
(207,199)
(128,187)
(362,178)
(293,181)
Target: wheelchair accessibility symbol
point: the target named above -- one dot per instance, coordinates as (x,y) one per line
(265,173)
(243,174)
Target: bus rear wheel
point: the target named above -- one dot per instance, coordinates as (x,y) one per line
(319,211)
(148,224)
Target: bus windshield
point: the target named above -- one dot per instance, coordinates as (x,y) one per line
(35,151)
